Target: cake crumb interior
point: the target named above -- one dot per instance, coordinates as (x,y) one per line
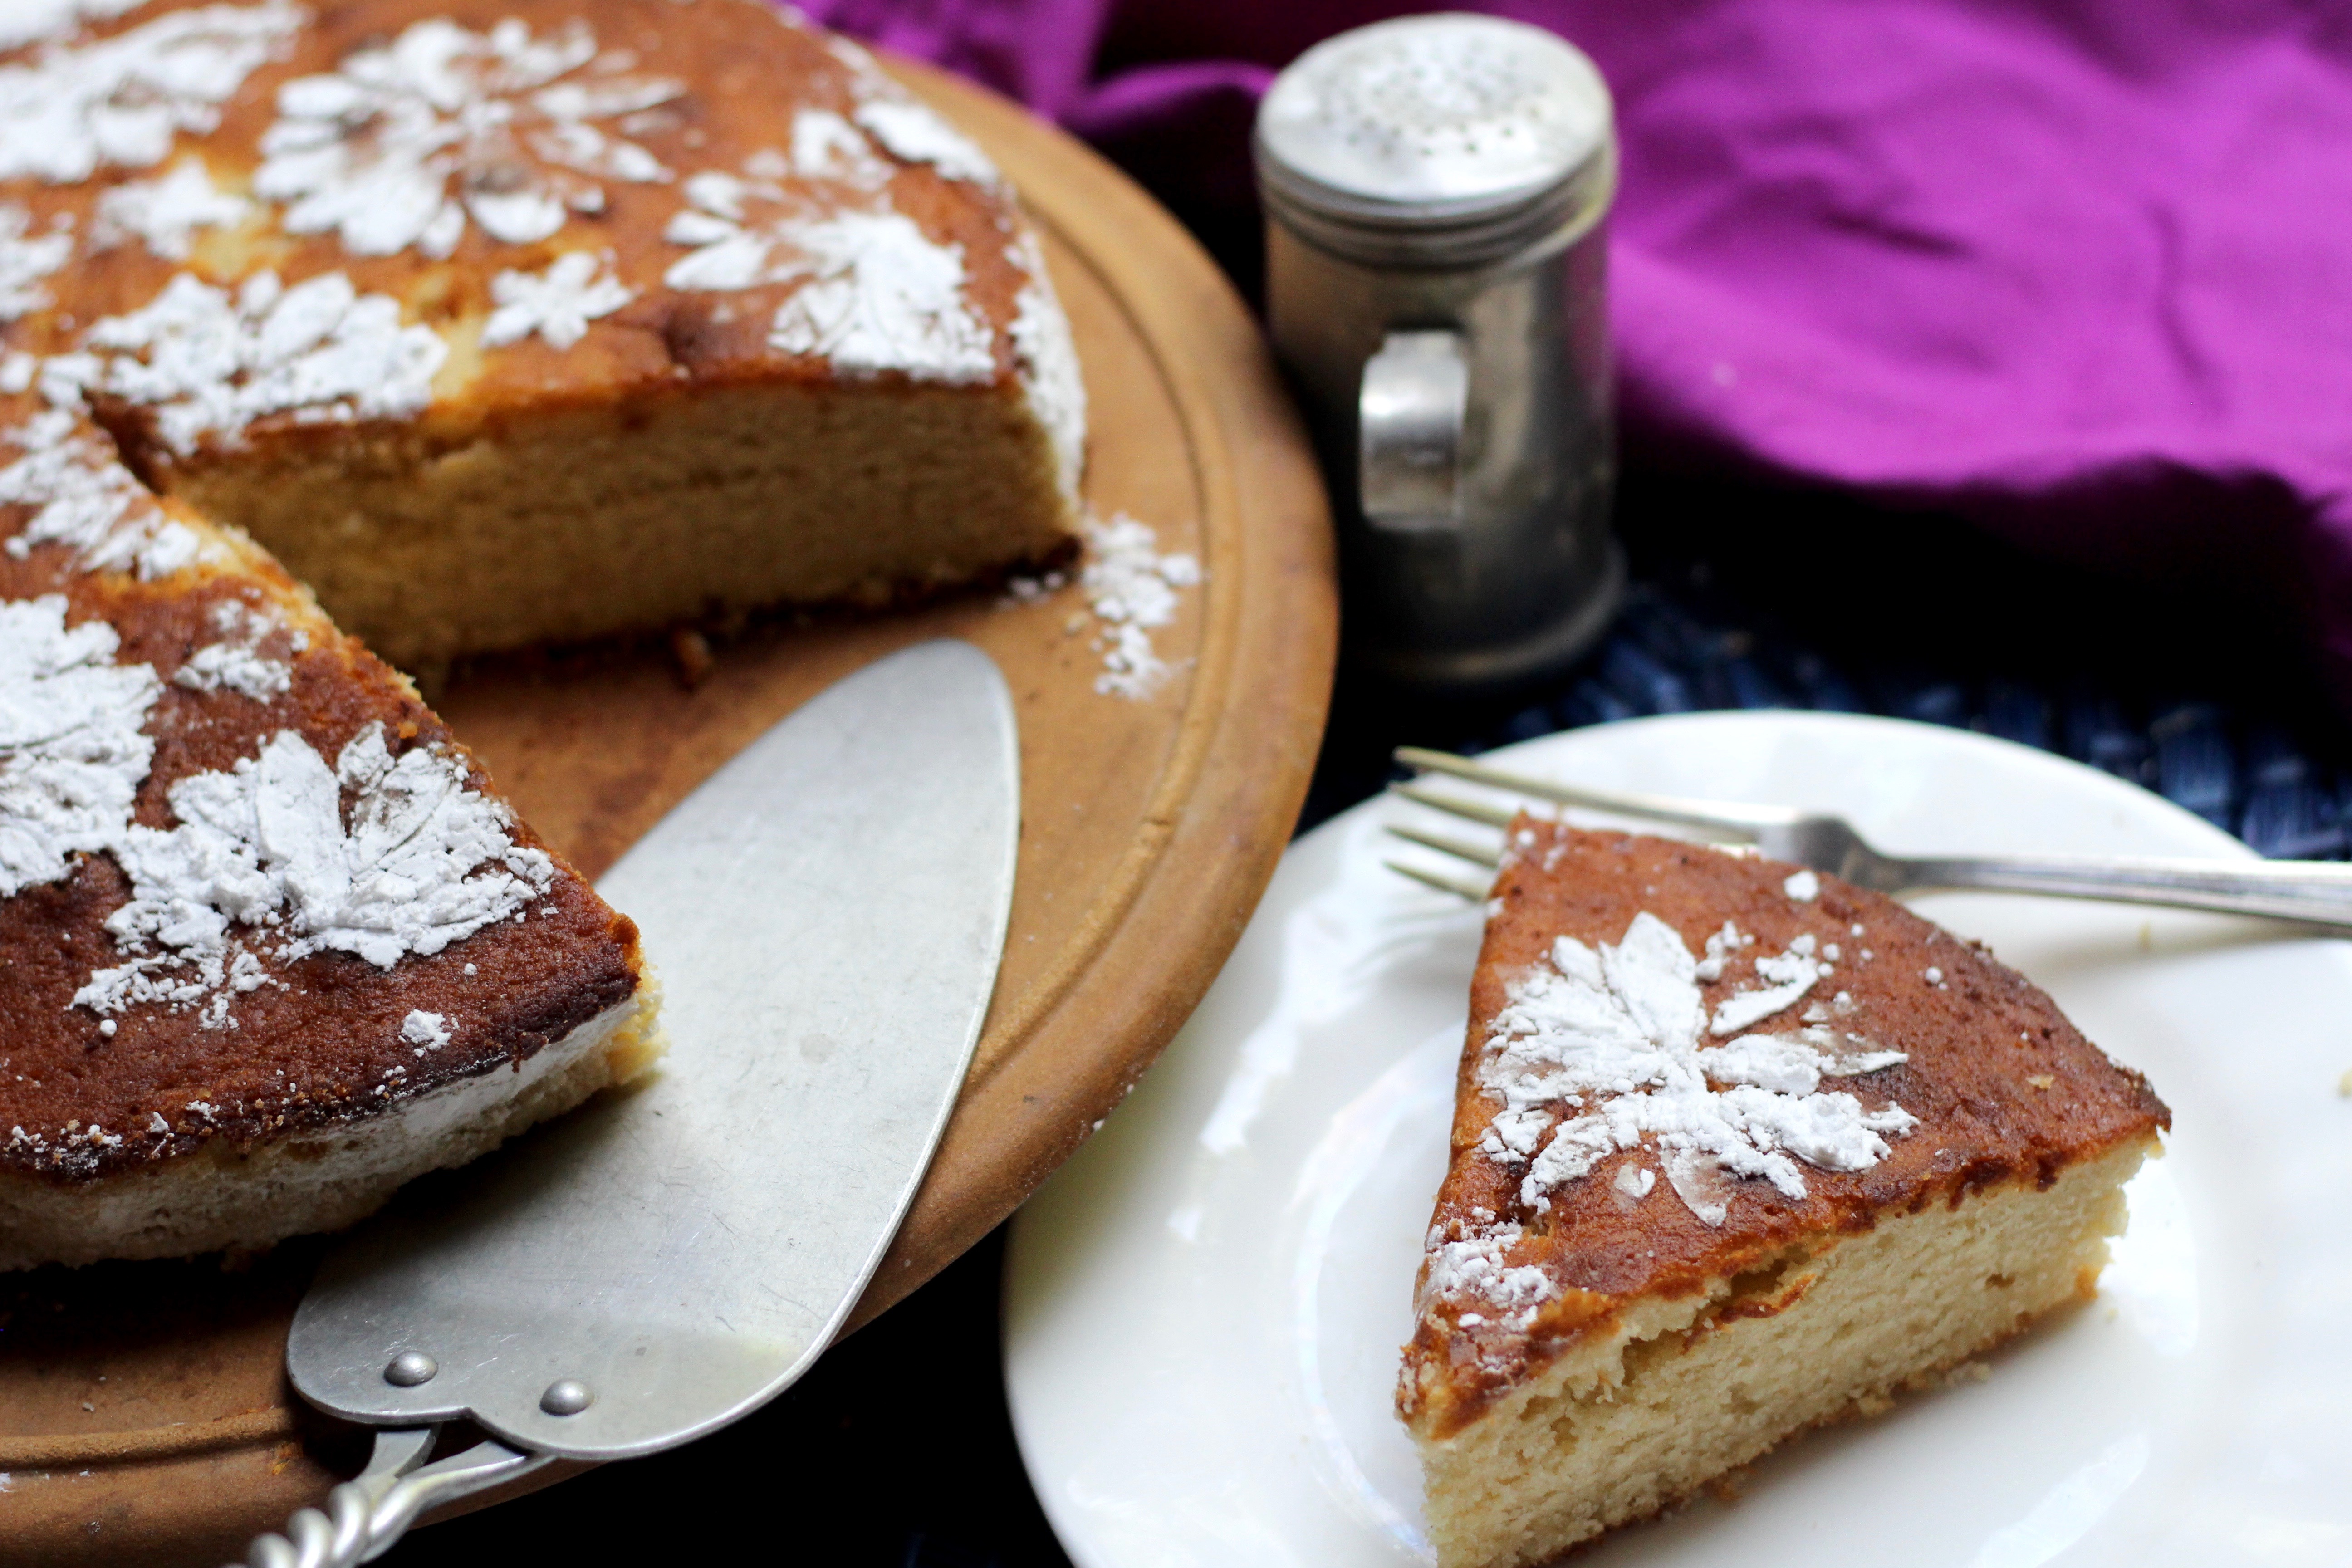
(1636,1421)
(572,524)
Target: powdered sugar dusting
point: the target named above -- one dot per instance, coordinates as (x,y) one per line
(207,364)
(1614,1033)
(883,296)
(236,663)
(1788,976)
(877,293)
(1470,1262)
(26,258)
(1133,590)
(827,147)
(166,211)
(426,1032)
(264,858)
(84,498)
(1045,357)
(913,132)
(407,141)
(557,304)
(73,746)
(266,855)
(36,21)
(74,108)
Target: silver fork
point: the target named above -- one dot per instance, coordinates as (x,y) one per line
(2317,892)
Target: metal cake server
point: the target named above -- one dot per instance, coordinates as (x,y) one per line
(825,914)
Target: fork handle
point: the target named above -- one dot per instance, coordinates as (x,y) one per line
(2318,893)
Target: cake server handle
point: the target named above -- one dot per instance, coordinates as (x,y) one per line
(374,1509)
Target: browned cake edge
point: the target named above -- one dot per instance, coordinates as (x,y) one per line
(665,458)
(151,1131)
(1636,1422)
(1984,1124)
(1645,1368)
(233,1195)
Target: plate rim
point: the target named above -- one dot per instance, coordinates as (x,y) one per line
(1030,1252)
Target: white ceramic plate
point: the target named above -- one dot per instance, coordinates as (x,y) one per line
(1203,1307)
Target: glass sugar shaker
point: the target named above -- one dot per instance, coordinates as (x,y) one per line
(1436,192)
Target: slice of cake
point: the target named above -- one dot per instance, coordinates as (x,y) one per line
(271,944)
(1737,1150)
(504,322)
(499,323)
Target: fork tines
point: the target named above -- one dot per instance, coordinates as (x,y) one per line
(1460,848)
(1475,810)
(1485,857)
(1475,891)
(1716,819)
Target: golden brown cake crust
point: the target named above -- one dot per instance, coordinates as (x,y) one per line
(320,1043)
(2005,1090)
(738,67)
(500,324)
(505,323)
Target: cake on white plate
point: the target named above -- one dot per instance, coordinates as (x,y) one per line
(1738,1149)
(470,326)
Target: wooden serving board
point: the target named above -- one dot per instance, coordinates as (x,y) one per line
(145,1415)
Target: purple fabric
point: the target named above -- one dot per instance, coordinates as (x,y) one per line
(2080,270)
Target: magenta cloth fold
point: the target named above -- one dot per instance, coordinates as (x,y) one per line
(2077,270)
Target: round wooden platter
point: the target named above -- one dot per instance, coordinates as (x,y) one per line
(145,1415)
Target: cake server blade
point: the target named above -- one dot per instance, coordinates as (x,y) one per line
(825,914)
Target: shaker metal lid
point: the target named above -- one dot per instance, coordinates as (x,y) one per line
(1442,115)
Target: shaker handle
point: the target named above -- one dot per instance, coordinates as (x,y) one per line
(1409,417)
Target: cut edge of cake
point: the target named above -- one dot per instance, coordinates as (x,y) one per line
(1746,1356)
(228,1197)
(529,323)
(330,1137)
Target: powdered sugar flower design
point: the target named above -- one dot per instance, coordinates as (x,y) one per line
(83,497)
(420,861)
(165,211)
(912,130)
(406,140)
(73,745)
(208,364)
(877,293)
(74,108)
(557,304)
(1475,1265)
(1614,1033)
(35,21)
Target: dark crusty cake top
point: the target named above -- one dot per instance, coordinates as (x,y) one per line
(229,222)
(1681,1061)
(249,886)
(248,883)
